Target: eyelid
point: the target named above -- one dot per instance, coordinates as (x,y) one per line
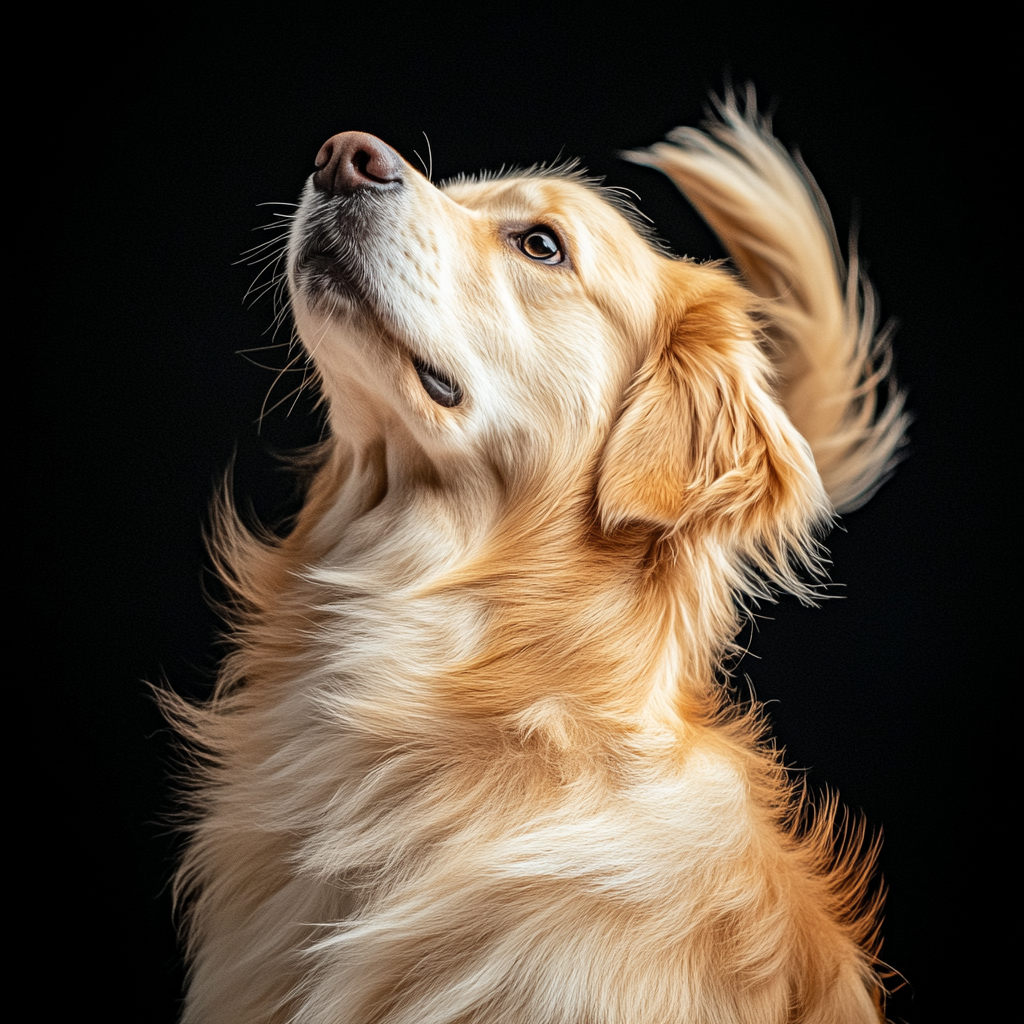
(561,258)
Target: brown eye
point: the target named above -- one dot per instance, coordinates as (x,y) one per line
(541,244)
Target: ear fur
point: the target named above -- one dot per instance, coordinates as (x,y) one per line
(702,445)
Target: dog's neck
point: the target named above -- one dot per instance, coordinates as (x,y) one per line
(632,608)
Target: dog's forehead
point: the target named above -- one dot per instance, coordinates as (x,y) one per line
(569,202)
(614,263)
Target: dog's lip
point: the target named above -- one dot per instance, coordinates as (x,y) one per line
(335,228)
(439,385)
(321,270)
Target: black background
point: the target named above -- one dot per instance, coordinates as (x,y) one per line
(158,146)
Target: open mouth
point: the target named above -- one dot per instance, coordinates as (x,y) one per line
(439,386)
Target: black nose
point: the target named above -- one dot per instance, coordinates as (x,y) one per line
(354,161)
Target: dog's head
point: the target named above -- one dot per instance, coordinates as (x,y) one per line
(521,329)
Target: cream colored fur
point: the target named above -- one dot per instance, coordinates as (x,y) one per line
(471,758)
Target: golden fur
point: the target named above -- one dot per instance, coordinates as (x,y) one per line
(471,758)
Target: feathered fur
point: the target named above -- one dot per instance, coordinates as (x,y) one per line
(470,758)
(821,316)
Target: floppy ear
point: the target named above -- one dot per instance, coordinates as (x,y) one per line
(701,444)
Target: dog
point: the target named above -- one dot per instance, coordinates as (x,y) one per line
(473,755)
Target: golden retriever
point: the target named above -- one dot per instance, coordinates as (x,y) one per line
(472,757)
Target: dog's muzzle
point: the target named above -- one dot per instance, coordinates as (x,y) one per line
(345,209)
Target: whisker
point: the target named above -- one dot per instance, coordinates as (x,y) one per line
(261,348)
(295,392)
(622,188)
(248,255)
(265,410)
(302,387)
(264,366)
(270,266)
(257,290)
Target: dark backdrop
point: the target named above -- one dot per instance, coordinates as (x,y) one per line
(155,155)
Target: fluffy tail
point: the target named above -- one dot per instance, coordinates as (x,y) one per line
(822,316)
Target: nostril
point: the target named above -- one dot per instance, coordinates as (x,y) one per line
(324,156)
(356,161)
(360,161)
